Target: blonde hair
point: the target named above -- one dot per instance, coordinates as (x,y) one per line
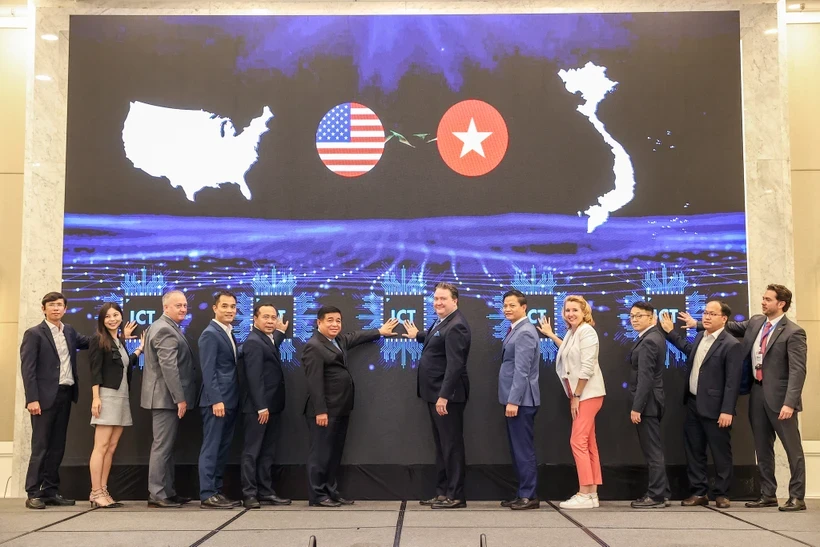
(585,308)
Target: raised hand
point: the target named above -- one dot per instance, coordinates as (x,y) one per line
(666,322)
(281,326)
(544,326)
(412,330)
(387,328)
(691,323)
(128,329)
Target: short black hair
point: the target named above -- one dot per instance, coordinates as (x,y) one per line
(645,306)
(324,310)
(220,294)
(783,295)
(522,299)
(450,287)
(725,310)
(53,297)
(263,304)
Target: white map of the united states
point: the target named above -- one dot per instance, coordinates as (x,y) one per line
(193,149)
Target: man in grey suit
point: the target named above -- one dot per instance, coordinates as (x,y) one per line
(518,391)
(774,370)
(168,390)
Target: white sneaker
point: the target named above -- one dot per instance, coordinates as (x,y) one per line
(578,501)
(595,502)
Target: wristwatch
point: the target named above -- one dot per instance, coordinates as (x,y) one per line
(576,395)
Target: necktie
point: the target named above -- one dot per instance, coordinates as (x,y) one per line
(336,344)
(764,338)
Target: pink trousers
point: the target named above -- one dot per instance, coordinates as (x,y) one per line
(583,443)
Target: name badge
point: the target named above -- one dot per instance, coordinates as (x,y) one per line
(758,360)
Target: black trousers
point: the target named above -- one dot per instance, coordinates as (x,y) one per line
(698,433)
(48,434)
(258,451)
(765,425)
(649,435)
(448,433)
(324,456)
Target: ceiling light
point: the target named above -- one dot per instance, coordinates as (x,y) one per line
(801,6)
(770,31)
(43,77)
(49,37)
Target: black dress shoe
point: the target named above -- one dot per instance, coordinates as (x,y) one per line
(216,502)
(431,501)
(35,503)
(223,499)
(327,502)
(526,503)
(693,501)
(164,503)
(273,499)
(57,499)
(251,503)
(647,503)
(342,501)
(762,501)
(182,500)
(509,503)
(449,504)
(793,504)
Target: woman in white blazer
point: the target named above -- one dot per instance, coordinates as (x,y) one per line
(577,367)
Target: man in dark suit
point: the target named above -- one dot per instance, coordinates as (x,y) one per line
(713,369)
(519,392)
(218,400)
(263,399)
(443,383)
(774,353)
(168,390)
(648,358)
(330,399)
(48,357)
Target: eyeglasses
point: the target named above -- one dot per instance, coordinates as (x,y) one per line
(638,315)
(711,314)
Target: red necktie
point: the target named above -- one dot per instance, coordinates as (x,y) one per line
(764,338)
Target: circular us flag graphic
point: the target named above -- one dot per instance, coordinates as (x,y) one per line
(472,138)
(350,139)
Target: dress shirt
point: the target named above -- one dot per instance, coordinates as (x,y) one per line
(229,331)
(66,376)
(700,354)
(774,322)
(512,327)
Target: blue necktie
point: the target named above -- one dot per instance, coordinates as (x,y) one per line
(336,344)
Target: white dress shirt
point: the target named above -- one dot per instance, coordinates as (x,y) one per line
(758,340)
(228,330)
(66,375)
(700,354)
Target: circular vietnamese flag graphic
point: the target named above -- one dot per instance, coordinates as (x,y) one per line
(472,138)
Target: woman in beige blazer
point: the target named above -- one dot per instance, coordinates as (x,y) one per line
(577,367)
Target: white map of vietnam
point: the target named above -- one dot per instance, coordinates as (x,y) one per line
(193,149)
(592,83)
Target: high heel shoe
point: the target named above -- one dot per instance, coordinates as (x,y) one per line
(112,501)
(99,500)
